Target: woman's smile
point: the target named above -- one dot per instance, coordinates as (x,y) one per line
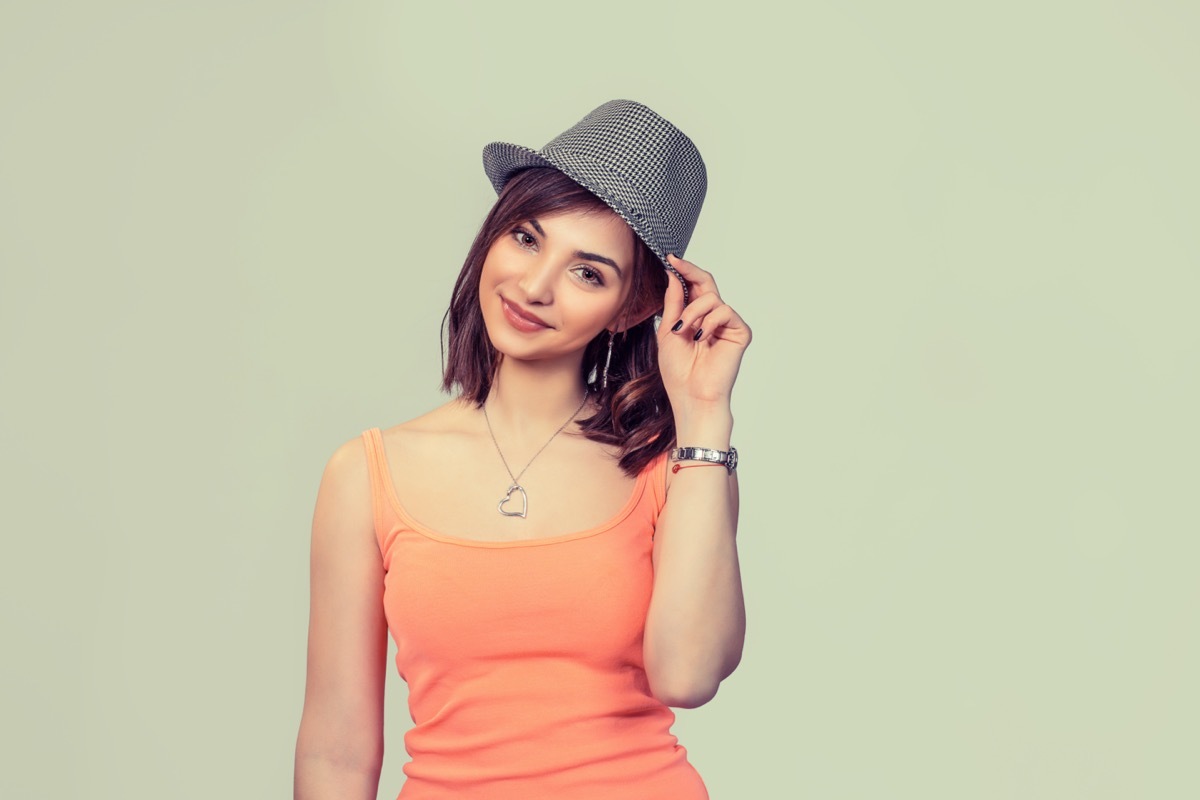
(522,320)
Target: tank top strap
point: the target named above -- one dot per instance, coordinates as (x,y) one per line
(377,466)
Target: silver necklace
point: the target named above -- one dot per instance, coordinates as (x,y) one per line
(515,486)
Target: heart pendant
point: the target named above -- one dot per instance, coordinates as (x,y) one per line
(508,496)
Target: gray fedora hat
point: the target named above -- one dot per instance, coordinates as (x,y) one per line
(638,163)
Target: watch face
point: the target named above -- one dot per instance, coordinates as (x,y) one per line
(732,462)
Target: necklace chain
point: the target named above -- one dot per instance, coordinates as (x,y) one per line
(517,477)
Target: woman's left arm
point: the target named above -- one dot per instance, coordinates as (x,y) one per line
(696,623)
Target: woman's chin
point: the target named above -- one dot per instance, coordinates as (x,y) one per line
(533,356)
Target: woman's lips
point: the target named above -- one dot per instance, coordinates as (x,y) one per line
(520,322)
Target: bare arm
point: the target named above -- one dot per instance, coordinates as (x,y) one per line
(696,624)
(339,748)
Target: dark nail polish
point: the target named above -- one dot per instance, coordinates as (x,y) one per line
(699,333)
(677,326)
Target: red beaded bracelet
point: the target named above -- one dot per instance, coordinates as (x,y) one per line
(678,467)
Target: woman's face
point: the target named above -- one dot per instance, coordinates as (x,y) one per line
(571,271)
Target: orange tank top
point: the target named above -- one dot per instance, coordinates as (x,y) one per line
(523,659)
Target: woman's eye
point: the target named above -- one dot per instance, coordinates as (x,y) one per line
(524,238)
(590,275)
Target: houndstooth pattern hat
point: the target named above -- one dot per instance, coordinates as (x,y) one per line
(638,163)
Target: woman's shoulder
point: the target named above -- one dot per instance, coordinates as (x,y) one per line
(429,433)
(453,419)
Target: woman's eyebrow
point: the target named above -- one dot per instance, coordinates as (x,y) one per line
(582,253)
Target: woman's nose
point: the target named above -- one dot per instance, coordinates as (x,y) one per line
(538,281)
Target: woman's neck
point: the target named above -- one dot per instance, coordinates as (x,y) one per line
(527,399)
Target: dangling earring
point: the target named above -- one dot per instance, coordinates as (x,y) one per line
(607,361)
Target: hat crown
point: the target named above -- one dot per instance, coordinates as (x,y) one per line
(636,161)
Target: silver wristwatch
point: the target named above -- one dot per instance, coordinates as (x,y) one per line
(729,458)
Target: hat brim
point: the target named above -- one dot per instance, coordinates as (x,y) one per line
(502,159)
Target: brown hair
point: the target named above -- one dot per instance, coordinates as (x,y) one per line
(635,413)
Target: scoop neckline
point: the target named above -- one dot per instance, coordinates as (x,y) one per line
(635,497)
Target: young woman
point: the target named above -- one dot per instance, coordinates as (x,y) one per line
(553,550)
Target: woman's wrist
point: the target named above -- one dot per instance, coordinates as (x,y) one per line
(711,428)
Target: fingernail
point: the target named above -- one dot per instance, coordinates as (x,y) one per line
(699,333)
(677,326)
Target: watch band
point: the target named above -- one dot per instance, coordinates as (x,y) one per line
(727,457)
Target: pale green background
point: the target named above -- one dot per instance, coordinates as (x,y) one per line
(965,237)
